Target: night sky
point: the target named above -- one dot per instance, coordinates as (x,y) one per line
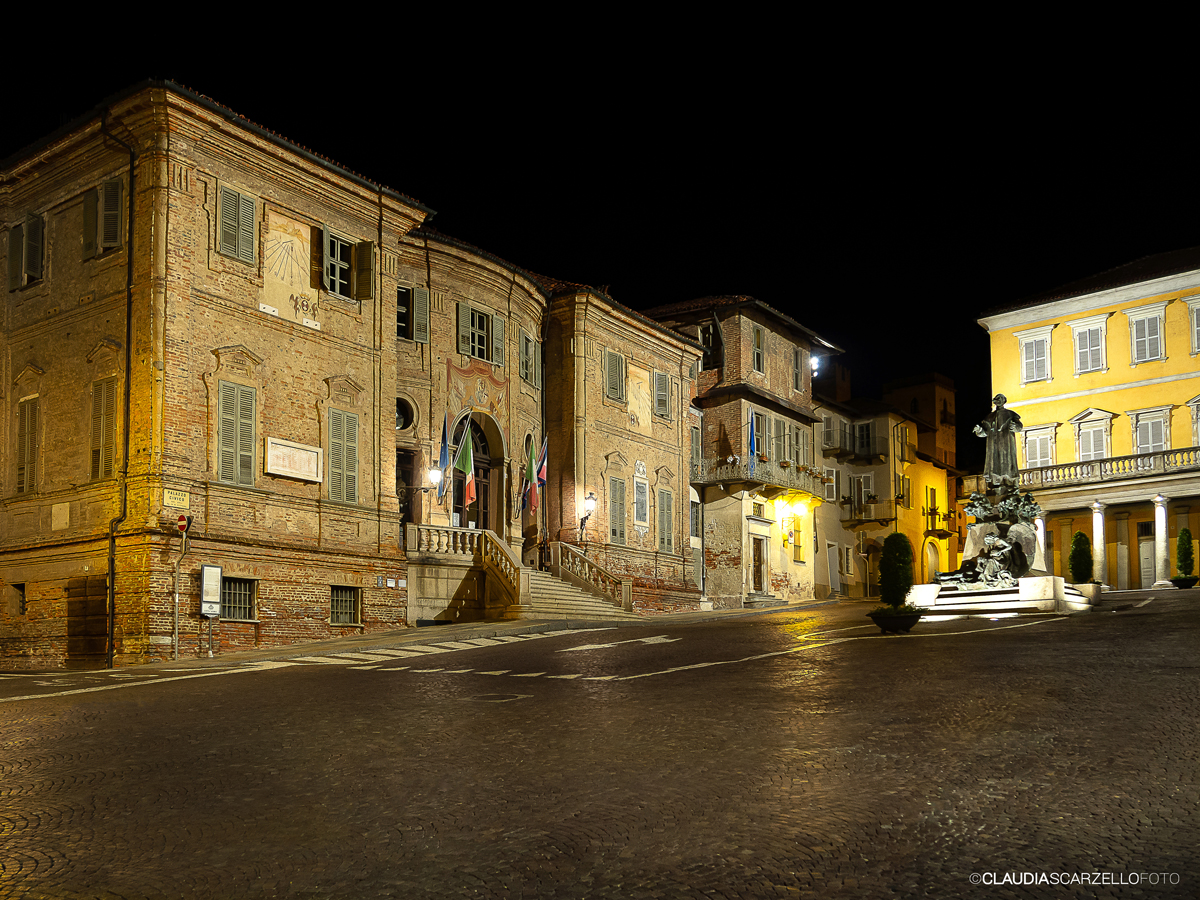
(887,228)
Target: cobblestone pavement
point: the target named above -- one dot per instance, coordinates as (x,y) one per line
(785,754)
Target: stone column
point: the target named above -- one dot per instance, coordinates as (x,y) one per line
(1099,546)
(1162,561)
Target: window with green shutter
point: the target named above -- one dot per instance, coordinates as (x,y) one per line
(616,510)
(343,456)
(102,218)
(481,334)
(614,375)
(27,445)
(25,253)
(236,217)
(235,433)
(662,395)
(104,428)
(666,536)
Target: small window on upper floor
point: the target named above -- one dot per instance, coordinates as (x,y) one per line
(348,267)
(662,395)
(27,445)
(25,253)
(531,359)
(236,224)
(759,349)
(412,314)
(102,218)
(1035,354)
(1146,332)
(480,334)
(614,375)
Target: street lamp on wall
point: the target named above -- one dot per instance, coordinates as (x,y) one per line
(435,478)
(589,507)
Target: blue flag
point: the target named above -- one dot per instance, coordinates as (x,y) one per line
(444,458)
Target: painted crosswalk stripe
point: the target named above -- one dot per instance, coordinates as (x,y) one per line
(529,675)
(496,672)
(323,660)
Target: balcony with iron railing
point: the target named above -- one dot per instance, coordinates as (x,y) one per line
(783,474)
(856,513)
(1115,468)
(843,443)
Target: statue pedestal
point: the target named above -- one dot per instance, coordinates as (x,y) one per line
(1038,594)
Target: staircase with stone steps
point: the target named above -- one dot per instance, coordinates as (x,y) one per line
(550,598)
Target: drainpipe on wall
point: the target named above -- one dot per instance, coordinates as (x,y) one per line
(116,522)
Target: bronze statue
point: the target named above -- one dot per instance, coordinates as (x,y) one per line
(1000,428)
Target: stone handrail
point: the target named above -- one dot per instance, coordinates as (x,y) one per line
(571,565)
(480,545)
(1139,464)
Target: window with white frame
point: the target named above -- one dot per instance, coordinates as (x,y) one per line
(1151,429)
(641,501)
(1093,429)
(1038,443)
(1194,406)
(781,438)
(1146,332)
(1035,354)
(1090,338)
(831,483)
(480,334)
(348,269)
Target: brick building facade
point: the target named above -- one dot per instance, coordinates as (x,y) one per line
(204,320)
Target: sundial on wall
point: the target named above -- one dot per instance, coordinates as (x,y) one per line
(287,279)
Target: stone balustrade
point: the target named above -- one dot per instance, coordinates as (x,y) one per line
(572,565)
(1138,465)
(793,477)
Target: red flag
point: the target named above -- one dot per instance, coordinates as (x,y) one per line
(541,464)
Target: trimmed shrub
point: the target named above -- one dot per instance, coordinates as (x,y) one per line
(1184,560)
(1079,563)
(895,569)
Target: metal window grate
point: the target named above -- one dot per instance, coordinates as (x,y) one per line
(343,605)
(237,598)
(1145,529)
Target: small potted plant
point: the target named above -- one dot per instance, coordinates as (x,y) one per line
(895,580)
(1185,560)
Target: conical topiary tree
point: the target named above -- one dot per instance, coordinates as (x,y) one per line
(1184,560)
(895,570)
(1079,563)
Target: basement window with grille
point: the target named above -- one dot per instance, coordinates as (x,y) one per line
(237,599)
(343,605)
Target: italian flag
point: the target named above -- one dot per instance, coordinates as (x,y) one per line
(465,463)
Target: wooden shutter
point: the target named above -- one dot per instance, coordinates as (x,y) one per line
(326,237)
(27,425)
(343,456)
(696,445)
(364,270)
(662,394)
(498,340)
(33,248)
(420,315)
(525,357)
(104,415)
(616,510)
(464,329)
(1035,360)
(110,214)
(235,433)
(229,218)
(666,536)
(614,365)
(537,364)
(245,229)
(91,218)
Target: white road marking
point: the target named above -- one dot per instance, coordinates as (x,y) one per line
(657,639)
(257,667)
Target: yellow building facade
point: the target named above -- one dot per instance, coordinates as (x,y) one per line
(1105,377)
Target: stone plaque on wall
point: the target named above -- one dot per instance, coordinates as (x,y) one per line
(292,460)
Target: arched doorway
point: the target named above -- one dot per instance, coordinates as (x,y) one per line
(932,562)
(478,513)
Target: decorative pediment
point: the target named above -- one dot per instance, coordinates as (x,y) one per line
(29,374)
(664,474)
(615,460)
(343,390)
(1091,414)
(106,348)
(237,358)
